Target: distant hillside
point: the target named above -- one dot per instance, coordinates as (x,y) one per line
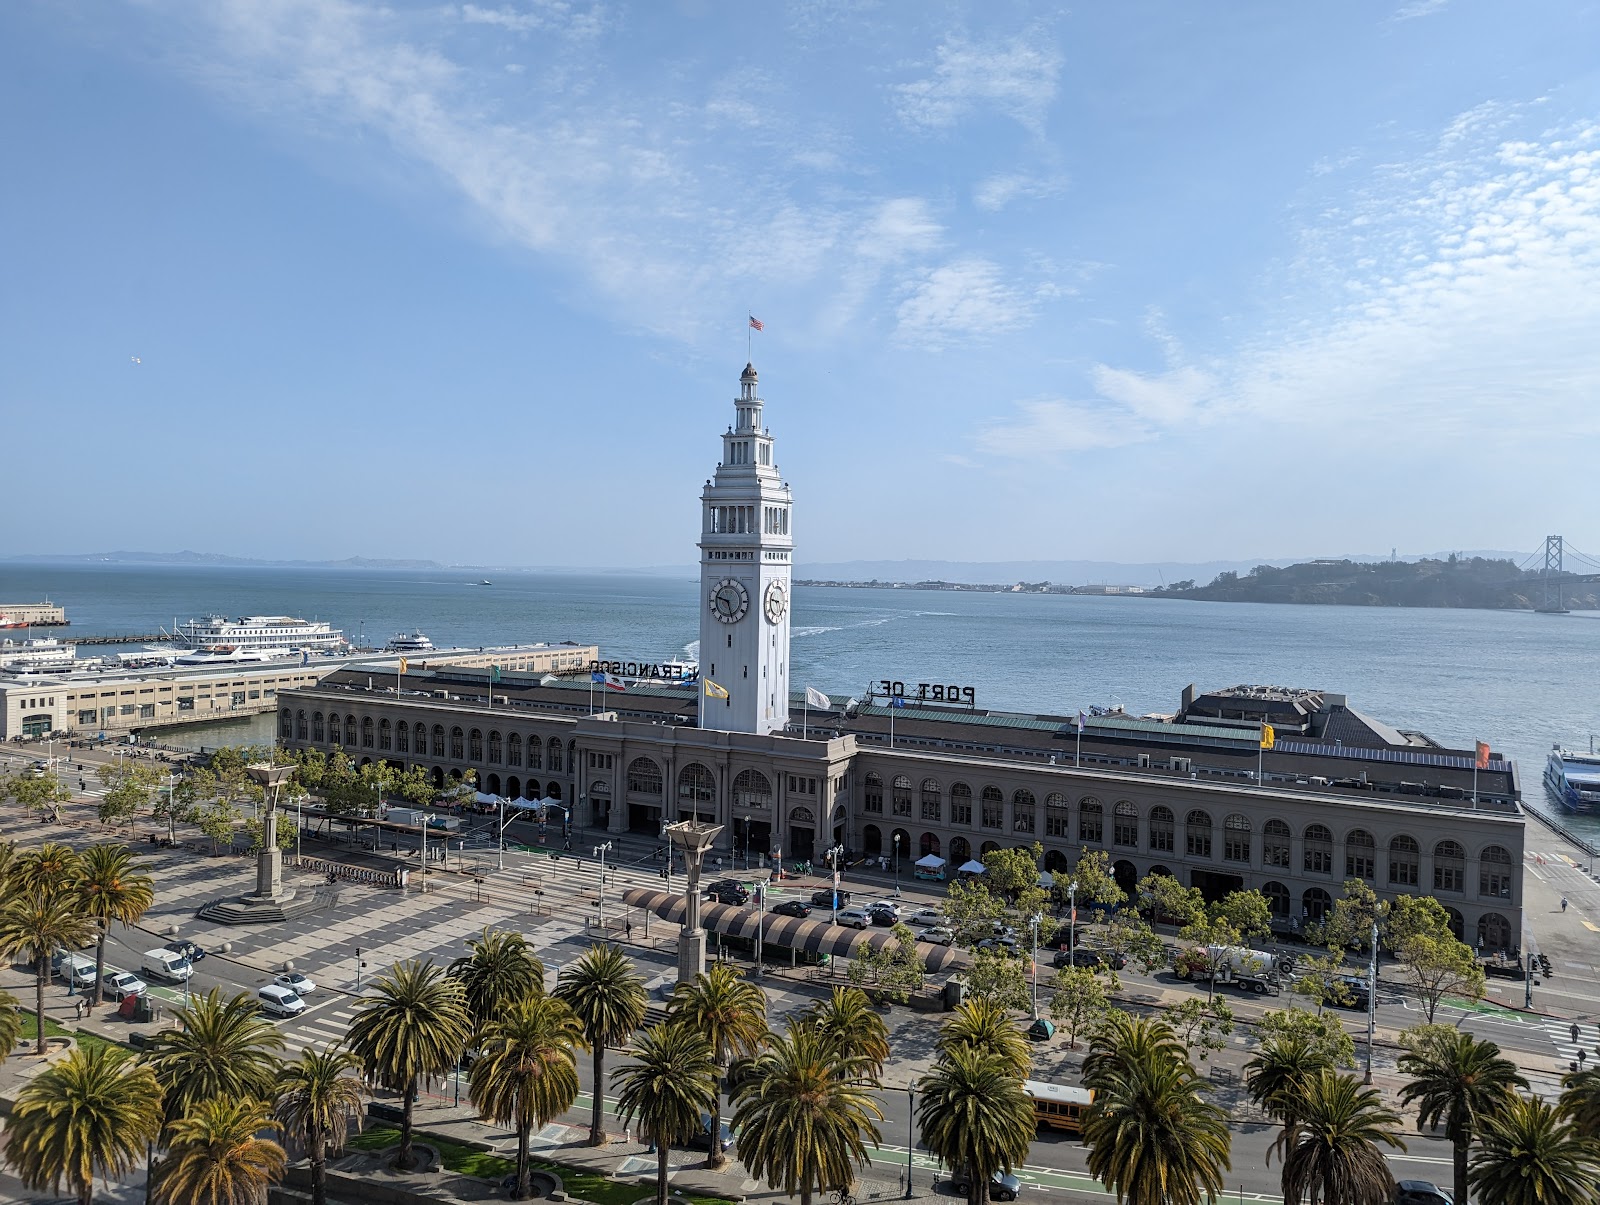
(218,558)
(1452,582)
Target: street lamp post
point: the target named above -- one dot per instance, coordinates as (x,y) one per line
(1072,920)
(911,1142)
(422,855)
(833,857)
(1372,1000)
(897,863)
(600,852)
(1034,922)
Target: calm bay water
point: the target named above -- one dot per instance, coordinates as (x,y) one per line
(1518,680)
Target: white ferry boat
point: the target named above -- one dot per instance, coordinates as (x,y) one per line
(226,654)
(260,632)
(409,642)
(1573,779)
(31,656)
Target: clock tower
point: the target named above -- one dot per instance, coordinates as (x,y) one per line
(745,554)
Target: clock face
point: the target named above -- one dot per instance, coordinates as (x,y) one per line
(776,602)
(729,600)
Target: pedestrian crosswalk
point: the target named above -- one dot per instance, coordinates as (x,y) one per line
(1572,1039)
(321,1025)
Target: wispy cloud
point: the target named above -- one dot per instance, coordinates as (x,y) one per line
(996,192)
(582,20)
(965,299)
(1419,8)
(1047,428)
(1015,77)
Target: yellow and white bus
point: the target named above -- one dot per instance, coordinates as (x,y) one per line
(1058,1106)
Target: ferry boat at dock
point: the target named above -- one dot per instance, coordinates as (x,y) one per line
(409,642)
(275,633)
(1573,779)
(31,656)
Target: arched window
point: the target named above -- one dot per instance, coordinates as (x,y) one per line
(1236,838)
(457,747)
(1022,808)
(438,740)
(1125,825)
(1162,825)
(1319,851)
(335,729)
(1457,925)
(752,789)
(554,761)
(1360,855)
(1277,899)
(929,844)
(1403,861)
(421,742)
(1494,932)
(1314,905)
(535,752)
(644,776)
(696,785)
(350,731)
(513,748)
(960,851)
(385,734)
(871,841)
(932,805)
(475,745)
(960,804)
(901,795)
(300,725)
(994,808)
(872,792)
(1197,833)
(286,724)
(316,727)
(496,747)
(366,732)
(1056,815)
(402,737)
(1494,874)
(1449,866)
(1275,838)
(1091,820)
(552,790)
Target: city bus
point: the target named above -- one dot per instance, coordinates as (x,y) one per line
(1058,1106)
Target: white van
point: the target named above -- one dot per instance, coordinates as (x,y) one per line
(854,918)
(165,964)
(75,969)
(279,1001)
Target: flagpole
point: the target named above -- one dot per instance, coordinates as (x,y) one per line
(1261,758)
(1077,756)
(805,720)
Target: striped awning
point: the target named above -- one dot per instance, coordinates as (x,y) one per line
(790,932)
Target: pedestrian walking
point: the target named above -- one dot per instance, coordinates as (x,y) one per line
(1563,903)
(627,930)
(1574,1031)
(77,1008)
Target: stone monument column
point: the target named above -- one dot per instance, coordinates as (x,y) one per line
(269,862)
(694,839)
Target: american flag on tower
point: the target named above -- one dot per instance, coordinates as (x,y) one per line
(755,323)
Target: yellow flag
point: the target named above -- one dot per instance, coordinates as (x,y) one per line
(1267,736)
(403,664)
(713,691)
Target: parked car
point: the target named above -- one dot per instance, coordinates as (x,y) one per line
(926,916)
(1081,957)
(1353,993)
(1003,1186)
(854,918)
(76,969)
(999,945)
(295,982)
(882,917)
(279,1001)
(729,894)
(939,935)
(702,1135)
(889,906)
(792,908)
(187,948)
(1421,1192)
(824,898)
(119,985)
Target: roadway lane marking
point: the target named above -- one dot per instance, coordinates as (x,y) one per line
(1592,927)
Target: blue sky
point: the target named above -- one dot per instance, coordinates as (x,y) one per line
(469,281)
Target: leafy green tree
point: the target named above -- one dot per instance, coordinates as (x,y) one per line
(42,793)
(217,1156)
(317,1103)
(222,1047)
(1580,1100)
(667,1087)
(111,886)
(217,818)
(1321,978)
(998,977)
(847,1020)
(981,1025)
(1349,924)
(1457,1081)
(1008,871)
(256,830)
(729,1012)
(1278,1074)
(1325,1033)
(499,971)
(1129,934)
(893,971)
(805,1113)
(1438,967)
(527,1074)
(34,923)
(1097,886)
(1335,1156)
(129,788)
(175,803)
(1202,1025)
(607,993)
(412,1026)
(1078,995)
(972,910)
(1165,900)
(974,1115)
(1530,1154)
(91,1114)
(1247,913)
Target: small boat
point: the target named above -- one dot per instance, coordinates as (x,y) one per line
(1573,779)
(485,582)
(409,642)
(7,622)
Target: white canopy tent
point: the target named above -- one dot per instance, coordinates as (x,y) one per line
(930,861)
(973,867)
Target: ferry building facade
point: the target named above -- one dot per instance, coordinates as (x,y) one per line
(920,769)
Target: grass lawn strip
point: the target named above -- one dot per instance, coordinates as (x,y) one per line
(86,1040)
(590,1186)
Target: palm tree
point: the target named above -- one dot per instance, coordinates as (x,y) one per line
(317,1102)
(501,971)
(222,1047)
(413,1026)
(527,1070)
(607,995)
(111,887)
(731,1014)
(975,1116)
(33,923)
(1456,1080)
(1581,1100)
(51,868)
(215,1156)
(1277,1074)
(1154,1138)
(1529,1153)
(805,1113)
(669,1087)
(10,1024)
(93,1113)
(986,1027)
(848,1020)
(1335,1159)
(1124,1044)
